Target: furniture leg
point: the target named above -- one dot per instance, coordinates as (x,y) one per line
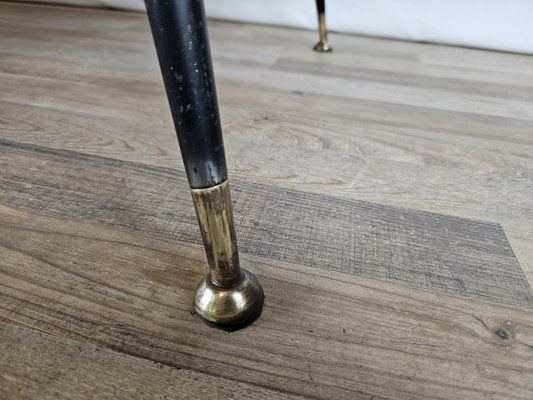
(229,296)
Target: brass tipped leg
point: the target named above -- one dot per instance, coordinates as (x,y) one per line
(229,296)
(322,46)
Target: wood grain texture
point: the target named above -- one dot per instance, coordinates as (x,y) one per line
(88,81)
(322,335)
(48,366)
(428,250)
(96,285)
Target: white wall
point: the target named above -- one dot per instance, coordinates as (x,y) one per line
(493,24)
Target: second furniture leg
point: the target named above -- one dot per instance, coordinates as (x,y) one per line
(322,46)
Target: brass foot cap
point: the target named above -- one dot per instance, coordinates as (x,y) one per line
(323,47)
(232,307)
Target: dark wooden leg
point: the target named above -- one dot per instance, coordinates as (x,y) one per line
(322,45)
(229,296)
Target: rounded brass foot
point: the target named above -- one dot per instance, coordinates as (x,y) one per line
(236,306)
(323,47)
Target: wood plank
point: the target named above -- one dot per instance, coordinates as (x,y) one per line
(367,90)
(409,79)
(432,251)
(52,367)
(322,335)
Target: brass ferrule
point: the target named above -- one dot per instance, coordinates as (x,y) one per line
(228,297)
(322,46)
(215,217)
(322,30)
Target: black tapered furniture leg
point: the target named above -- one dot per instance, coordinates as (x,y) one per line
(322,46)
(229,296)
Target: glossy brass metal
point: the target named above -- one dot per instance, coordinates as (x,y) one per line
(322,46)
(229,296)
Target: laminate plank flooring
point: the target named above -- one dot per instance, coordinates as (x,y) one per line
(428,250)
(68,368)
(322,334)
(68,82)
(96,298)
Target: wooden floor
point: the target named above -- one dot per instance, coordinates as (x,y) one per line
(383,196)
